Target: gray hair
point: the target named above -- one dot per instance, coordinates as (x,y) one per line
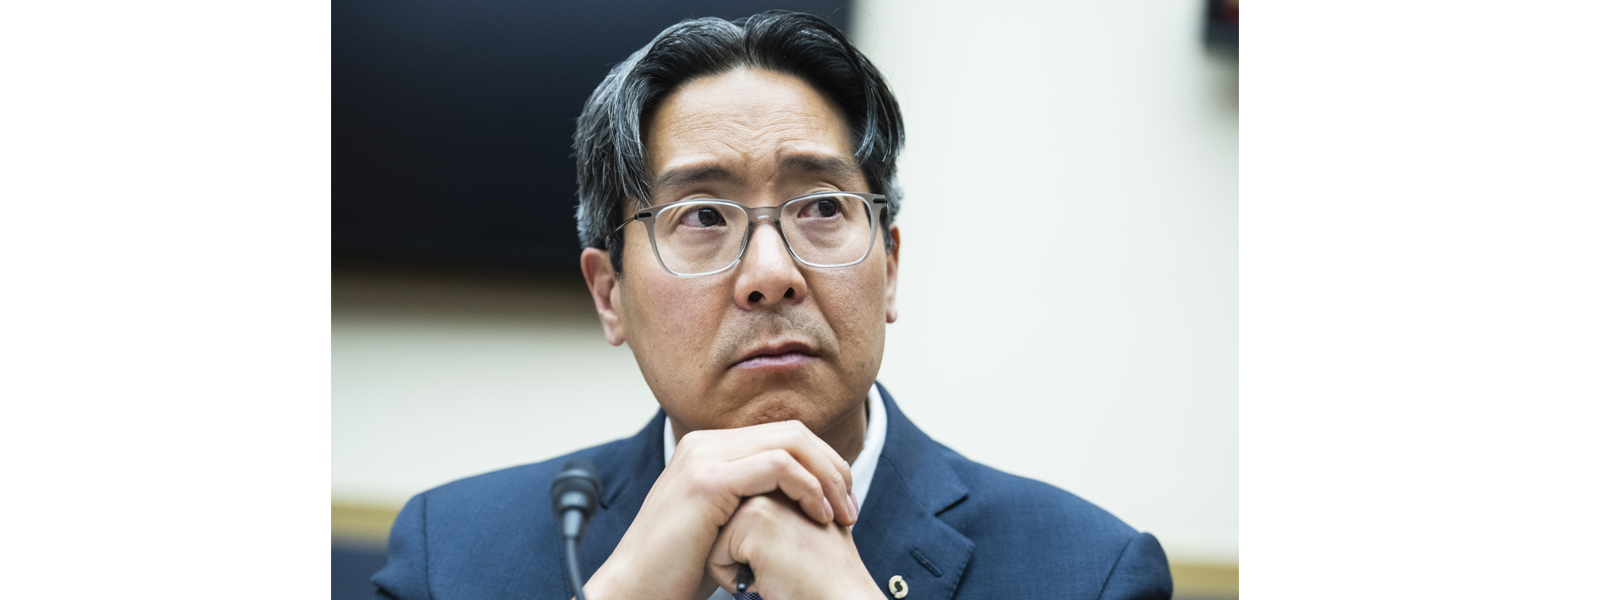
(609,145)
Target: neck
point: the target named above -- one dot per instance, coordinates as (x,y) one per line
(848,435)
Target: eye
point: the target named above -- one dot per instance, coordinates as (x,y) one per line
(709,218)
(824,208)
(703,216)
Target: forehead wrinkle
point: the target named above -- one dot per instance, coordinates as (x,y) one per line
(715,156)
(769,136)
(744,136)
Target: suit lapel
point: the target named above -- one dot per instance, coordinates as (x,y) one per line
(899,533)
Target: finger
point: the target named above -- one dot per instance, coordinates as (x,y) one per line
(721,564)
(722,569)
(809,451)
(845,497)
(748,532)
(778,471)
(821,460)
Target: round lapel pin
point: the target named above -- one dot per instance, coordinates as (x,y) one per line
(898,587)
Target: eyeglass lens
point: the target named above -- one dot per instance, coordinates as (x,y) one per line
(701,237)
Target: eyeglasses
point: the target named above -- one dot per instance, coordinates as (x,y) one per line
(692,238)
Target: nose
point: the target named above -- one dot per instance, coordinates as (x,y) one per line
(768,275)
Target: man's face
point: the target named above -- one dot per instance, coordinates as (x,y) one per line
(770,339)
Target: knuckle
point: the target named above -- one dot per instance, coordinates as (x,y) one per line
(759,505)
(780,461)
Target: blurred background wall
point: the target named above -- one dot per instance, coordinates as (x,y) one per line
(1068,289)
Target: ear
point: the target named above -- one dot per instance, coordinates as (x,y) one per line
(606,290)
(892,260)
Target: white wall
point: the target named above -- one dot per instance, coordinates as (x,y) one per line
(1069,271)
(1068,286)
(437,377)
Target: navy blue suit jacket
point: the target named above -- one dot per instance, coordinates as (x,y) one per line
(950,527)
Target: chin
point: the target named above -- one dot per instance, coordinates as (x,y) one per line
(816,410)
(769,408)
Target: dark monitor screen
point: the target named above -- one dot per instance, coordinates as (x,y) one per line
(453,120)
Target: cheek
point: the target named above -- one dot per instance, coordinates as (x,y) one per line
(688,314)
(854,305)
(672,323)
(661,304)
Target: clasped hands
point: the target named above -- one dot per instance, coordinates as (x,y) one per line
(773,496)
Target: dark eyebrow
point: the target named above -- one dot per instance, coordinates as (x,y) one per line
(830,166)
(693,175)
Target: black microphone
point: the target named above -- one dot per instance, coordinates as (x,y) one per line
(573,496)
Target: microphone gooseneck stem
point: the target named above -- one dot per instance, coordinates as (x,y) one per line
(572,567)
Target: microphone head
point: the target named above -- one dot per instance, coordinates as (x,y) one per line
(577,486)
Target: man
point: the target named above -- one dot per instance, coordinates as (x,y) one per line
(737,202)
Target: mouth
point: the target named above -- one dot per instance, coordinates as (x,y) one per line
(777,356)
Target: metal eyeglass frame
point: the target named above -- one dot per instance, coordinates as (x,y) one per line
(647,215)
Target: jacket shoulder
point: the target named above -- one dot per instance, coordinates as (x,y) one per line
(1059,540)
(489,535)
(1033,506)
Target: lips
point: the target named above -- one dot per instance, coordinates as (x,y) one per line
(777,355)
